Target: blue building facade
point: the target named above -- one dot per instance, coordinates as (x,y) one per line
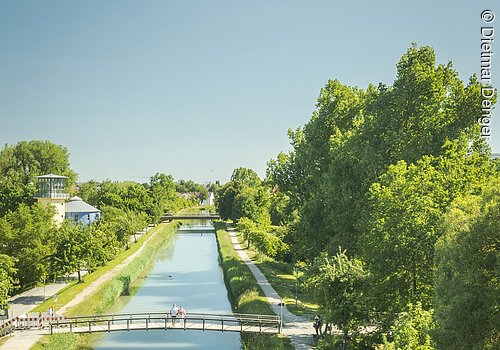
(79,211)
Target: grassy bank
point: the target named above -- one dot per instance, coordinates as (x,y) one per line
(107,294)
(245,293)
(281,276)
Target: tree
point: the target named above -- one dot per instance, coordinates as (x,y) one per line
(69,252)
(411,330)
(338,284)
(246,176)
(225,199)
(467,289)
(405,211)
(21,163)
(7,279)
(355,135)
(27,236)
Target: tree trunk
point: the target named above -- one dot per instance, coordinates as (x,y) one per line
(79,276)
(414,284)
(344,340)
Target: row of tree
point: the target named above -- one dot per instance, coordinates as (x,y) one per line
(33,249)
(391,199)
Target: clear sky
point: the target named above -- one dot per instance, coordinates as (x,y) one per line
(132,88)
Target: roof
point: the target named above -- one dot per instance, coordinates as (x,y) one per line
(77,205)
(52,176)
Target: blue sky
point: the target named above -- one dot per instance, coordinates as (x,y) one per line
(132,88)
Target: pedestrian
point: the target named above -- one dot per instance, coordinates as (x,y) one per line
(182,314)
(319,323)
(173,312)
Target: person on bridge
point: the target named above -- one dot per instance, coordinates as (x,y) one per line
(182,314)
(173,312)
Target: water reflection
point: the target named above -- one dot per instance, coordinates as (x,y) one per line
(186,272)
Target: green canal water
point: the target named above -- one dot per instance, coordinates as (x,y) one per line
(186,272)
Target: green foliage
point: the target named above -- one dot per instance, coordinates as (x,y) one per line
(69,252)
(225,198)
(405,211)
(467,289)
(411,330)
(7,279)
(59,341)
(200,191)
(338,284)
(155,198)
(246,177)
(244,292)
(244,197)
(355,135)
(27,235)
(21,163)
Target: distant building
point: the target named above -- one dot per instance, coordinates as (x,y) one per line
(210,200)
(51,191)
(79,211)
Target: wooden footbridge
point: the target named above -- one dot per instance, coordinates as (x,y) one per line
(242,323)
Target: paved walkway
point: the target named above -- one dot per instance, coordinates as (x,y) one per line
(298,328)
(29,300)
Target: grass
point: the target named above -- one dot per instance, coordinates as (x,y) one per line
(280,276)
(245,294)
(108,292)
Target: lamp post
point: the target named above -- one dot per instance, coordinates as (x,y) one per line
(55,304)
(281,314)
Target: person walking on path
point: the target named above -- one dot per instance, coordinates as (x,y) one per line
(173,313)
(318,325)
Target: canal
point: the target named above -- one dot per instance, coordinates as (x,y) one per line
(186,272)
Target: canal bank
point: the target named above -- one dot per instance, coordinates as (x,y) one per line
(101,289)
(185,272)
(245,293)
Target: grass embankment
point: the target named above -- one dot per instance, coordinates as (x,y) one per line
(245,294)
(108,292)
(281,277)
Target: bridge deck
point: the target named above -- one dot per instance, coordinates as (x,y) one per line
(189,217)
(201,322)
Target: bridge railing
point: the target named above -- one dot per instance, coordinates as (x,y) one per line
(158,320)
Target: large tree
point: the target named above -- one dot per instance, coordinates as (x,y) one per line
(468,264)
(21,163)
(404,214)
(354,136)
